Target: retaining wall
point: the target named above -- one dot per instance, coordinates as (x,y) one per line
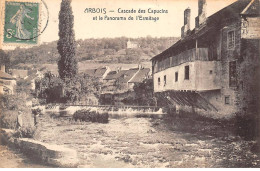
(55,155)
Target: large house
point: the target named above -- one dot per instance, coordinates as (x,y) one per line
(211,68)
(7,82)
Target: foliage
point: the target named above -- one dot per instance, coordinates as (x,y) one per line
(90,116)
(80,86)
(37,111)
(67,64)
(49,88)
(102,50)
(4,59)
(144,93)
(56,90)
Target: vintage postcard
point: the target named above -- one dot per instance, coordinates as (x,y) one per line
(130,83)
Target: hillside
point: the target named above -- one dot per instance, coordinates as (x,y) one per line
(106,50)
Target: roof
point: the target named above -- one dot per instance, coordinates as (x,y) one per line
(140,76)
(6,76)
(114,75)
(90,72)
(213,22)
(31,77)
(99,72)
(124,78)
(253,8)
(19,73)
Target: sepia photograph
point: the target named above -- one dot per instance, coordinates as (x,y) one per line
(129,83)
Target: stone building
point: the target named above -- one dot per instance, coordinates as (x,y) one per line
(131,44)
(205,70)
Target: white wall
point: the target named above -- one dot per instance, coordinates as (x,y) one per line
(200,77)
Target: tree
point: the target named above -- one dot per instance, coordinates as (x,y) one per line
(4,59)
(144,93)
(67,64)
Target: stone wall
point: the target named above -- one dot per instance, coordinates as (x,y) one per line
(248,76)
(228,55)
(54,155)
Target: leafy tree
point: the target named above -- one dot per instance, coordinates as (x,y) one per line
(144,93)
(67,64)
(4,59)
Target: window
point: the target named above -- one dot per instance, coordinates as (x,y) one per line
(187,73)
(176,76)
(159,81)
(227,100)
(232,74)
(164,80)
(231,39)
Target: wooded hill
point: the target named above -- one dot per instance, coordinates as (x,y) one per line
(106,50)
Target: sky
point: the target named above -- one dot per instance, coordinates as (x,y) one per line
(168,25)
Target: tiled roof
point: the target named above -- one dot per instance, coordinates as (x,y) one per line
(114,75)
(140,76)
(6,76)
(124,78)
(213,22)
(31,77)
(90,72)
(19,72)
(99,72)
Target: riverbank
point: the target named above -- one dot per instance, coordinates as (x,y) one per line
(12,158)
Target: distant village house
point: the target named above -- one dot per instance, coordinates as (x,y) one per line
(131,44)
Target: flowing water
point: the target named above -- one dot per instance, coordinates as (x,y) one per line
(130,141)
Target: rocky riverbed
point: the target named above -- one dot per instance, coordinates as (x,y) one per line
(149,142)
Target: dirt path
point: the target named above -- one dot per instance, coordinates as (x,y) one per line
(13,159)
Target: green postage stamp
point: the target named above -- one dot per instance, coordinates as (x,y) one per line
(21,22)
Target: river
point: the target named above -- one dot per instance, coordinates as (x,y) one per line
(148,142)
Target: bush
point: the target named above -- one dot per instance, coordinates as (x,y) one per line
(37,111)
(90,116)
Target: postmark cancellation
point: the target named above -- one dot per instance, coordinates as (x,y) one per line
(21,22)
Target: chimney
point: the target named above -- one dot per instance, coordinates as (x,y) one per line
(118,69)
(3,68)
(186,27)
(201,18)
